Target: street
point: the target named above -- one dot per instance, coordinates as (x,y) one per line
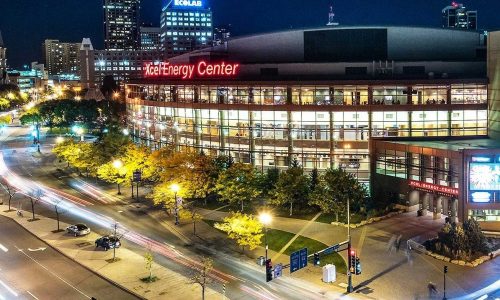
(30,269)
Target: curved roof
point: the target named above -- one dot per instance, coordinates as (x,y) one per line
(350,44)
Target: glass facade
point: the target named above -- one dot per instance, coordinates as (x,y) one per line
(321,126)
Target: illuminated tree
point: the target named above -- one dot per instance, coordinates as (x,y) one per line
(109,172)
(202,277)
(190,214)
(162,195)
(245,229)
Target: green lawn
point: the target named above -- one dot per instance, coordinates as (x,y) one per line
(277,239)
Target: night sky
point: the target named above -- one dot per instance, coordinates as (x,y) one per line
(26,23)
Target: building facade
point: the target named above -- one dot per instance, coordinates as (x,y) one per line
(3,61)
(122,65)
(150,38)
(458,16)
(185,26)
(221,34)
(456,178)
(121,24)
(61,58)
(320,101)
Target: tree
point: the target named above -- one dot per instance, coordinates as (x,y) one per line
(245,229)
(334,189)
(476,241)
(137,158)
(11,191)
(149,259)
(110,173)
(238,184)
(267,182)
(292,187)
(59,210)
(190,214)
(162,195)
(34,197)
(314,178)
(202,277)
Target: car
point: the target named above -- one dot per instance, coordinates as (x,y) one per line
(108,242)
(78,229)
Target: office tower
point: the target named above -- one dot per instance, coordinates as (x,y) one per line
(3,60)
(60,57)
(458,16)
(185,26)
(121,24)
(221,34)
(150,38)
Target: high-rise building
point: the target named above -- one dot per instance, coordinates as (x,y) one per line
(458,16)
(3,60)
(221,34)
(150,38)
(186,25)
(60,57)
(121,24)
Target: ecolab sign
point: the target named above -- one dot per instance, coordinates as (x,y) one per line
(190,3)
(189,71)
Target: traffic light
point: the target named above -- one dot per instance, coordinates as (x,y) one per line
(269,270)
(357,267)
(316,259)
(445,269)
(352,261)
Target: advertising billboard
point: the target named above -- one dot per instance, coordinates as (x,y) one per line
(484,180)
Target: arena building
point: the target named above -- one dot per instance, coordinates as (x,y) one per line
(315,95)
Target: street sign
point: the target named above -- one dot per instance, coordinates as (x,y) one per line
(331,249)
(137,176)
(298,260)
(278,270)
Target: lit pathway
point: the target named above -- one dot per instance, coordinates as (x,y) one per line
(296,236)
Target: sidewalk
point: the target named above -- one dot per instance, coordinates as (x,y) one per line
(126,272)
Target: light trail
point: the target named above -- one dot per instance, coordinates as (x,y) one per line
(9,289)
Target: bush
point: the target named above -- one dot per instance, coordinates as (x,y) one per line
(460,241)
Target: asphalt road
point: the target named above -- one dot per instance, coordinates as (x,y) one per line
(30,269)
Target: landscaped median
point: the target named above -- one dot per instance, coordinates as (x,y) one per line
(126,272)
(278,239)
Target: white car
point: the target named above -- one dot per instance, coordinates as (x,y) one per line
(78,229)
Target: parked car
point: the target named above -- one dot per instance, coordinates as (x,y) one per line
(108,242)
(78,229)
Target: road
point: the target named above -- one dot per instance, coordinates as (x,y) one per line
(30,269)
(386,275)
(36,172)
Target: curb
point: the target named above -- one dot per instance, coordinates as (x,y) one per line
(370,221)
(114,283)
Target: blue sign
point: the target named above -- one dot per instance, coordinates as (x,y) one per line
(298,260)
(188,3)
(331,249)
(278,270)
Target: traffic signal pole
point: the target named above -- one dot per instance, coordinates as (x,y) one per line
(349,273)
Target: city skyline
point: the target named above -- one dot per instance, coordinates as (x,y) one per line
(46,17)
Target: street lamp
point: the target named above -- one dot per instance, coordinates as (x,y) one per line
(176,188)
(117,164)
(265,218)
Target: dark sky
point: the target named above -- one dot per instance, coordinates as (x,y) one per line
(26,23)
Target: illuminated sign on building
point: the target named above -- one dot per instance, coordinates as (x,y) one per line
(481,197)
(434,187)
(188,3)
(189,71)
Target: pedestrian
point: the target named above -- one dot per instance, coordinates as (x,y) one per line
(432,289)
(398,242)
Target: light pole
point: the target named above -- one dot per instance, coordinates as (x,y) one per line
(117,164)
(350,289)
(265,218)
(175,188)
(445,270)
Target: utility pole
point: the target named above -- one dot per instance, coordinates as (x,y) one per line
(445,270)
(350,289)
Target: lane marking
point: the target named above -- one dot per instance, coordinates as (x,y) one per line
(32,295)
(54,274)
(38,249)
(2,247)
(9,289)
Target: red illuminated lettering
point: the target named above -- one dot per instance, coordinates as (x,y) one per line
(202,69)
(434,187)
